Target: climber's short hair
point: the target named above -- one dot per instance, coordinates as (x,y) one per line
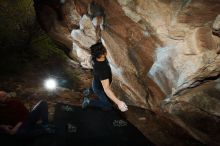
(97,50)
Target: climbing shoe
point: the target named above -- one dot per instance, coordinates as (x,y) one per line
(85,102)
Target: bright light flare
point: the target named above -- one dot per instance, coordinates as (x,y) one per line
(50,84)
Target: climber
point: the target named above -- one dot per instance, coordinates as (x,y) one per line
(102,78)
(16,119)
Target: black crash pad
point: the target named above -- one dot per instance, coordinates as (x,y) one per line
(92,127)
(89,127)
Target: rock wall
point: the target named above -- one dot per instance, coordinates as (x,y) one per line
(188,44)
(161,52)
(125,41)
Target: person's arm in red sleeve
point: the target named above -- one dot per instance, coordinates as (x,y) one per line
(21,110)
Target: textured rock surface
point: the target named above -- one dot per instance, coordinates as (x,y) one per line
(198,111)
(185,30)
(161,53)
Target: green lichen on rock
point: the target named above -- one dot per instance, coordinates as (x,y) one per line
(25,47)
